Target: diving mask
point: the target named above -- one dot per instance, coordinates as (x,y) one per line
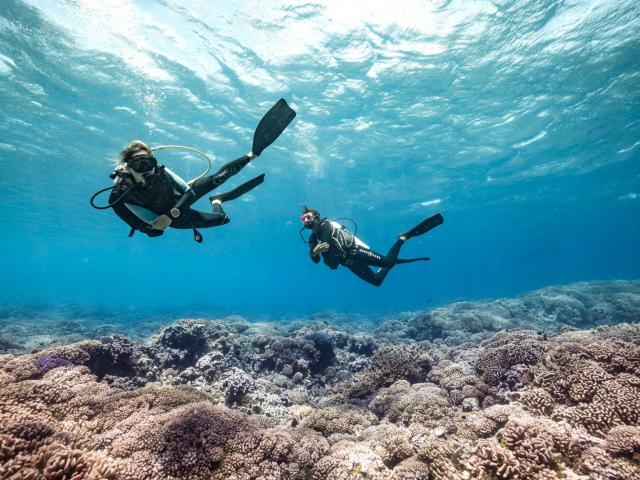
(143,163)
(307,218)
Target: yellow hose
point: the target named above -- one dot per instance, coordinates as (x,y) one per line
(182,147)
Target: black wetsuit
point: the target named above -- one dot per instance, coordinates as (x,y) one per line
(163,193)
(343,250)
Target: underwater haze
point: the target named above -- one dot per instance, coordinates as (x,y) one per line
(519,121)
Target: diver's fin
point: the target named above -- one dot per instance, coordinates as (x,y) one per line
(239,190)
(272,125)
(411,260)
(424,226)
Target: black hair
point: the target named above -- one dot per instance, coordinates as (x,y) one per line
(313,211)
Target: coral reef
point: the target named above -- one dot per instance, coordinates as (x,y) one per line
(580,305)
(232,399)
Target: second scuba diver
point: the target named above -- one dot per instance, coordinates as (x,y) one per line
(338,246)
(150,197)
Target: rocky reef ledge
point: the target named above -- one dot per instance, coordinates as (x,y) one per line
(545,386)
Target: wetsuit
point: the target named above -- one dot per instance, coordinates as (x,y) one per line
(163,192)
(345,249)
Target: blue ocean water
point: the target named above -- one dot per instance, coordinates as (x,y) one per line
(519,121)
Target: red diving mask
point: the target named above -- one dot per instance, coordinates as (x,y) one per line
(306,217)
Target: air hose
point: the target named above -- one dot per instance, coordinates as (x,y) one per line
(191,149)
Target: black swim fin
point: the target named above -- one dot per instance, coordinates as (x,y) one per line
(239,190)
(411,260)
(272,125)
(424,226)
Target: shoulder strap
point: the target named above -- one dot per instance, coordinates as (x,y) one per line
(178,179)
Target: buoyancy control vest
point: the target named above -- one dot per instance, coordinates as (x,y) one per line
(342,243)
(158,198)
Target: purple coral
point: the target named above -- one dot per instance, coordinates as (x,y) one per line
(46,363)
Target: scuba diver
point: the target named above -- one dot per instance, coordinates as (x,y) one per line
(338,246)
(150,197)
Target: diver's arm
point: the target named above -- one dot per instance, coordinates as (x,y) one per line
(186,200)
(182,205)
(313,242)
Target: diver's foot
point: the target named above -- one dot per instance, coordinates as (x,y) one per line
(403,237)
(215,200)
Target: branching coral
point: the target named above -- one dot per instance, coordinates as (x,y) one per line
(387,365)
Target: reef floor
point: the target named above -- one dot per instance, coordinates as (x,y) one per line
(543,386)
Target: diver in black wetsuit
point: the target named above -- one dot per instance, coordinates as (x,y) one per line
(165,198)
(150,197)
(338,246)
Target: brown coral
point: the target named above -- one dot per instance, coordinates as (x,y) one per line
(623,440)
(411,469)
(515,348)
(334,420)
(387,365)
(403,403)
(600,466)
(527,448)
(394,425)
(538,400)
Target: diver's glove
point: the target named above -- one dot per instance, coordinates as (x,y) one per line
(161,222)
(321,247)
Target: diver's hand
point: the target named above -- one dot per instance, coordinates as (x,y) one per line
(161,222)
(321,248)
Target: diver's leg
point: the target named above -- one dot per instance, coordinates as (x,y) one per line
(369,257)
(365,273)
(392,254)
(239,190)
(198,219)
(204,185)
